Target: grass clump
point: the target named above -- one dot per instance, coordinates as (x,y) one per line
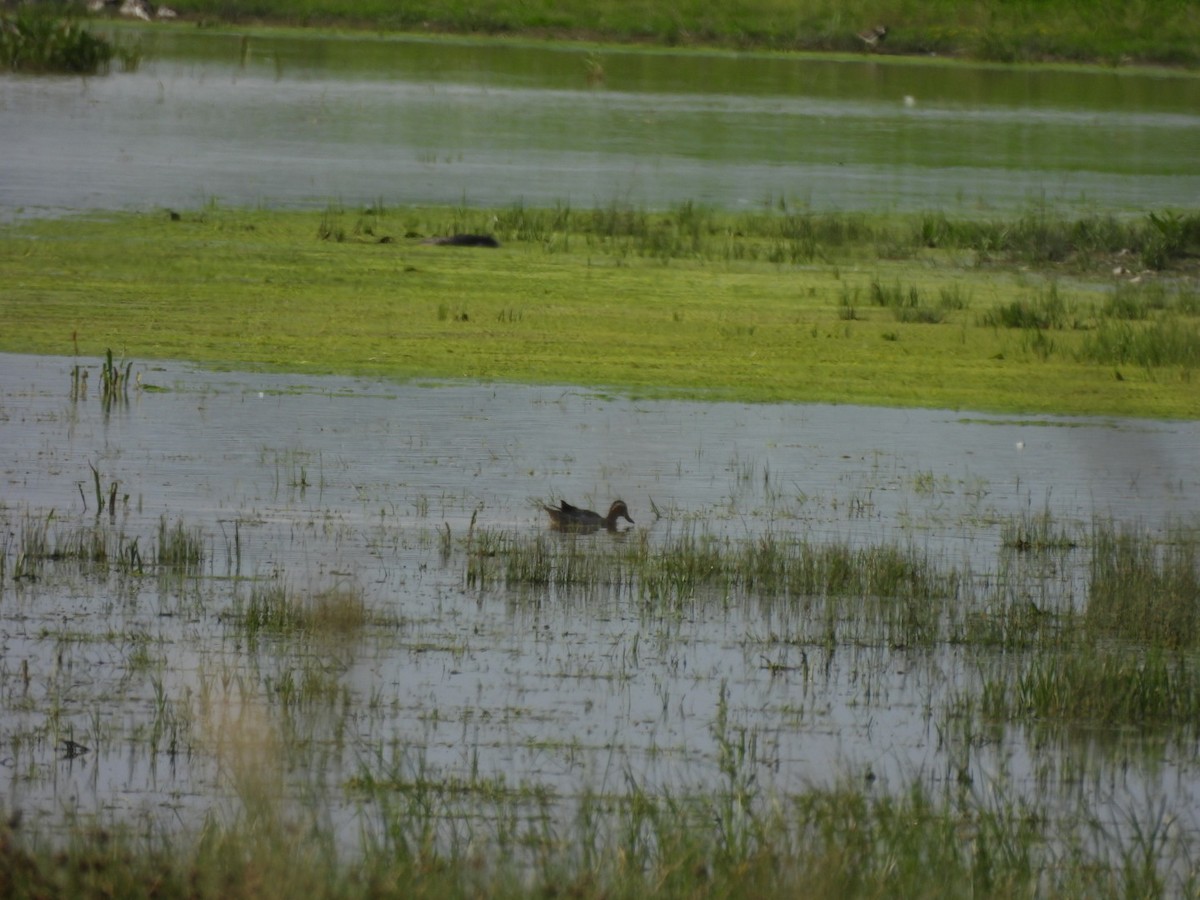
(1107,688)
(273,609)
(882,592)
(34,41)
(1157,345)
(1144,590)
(1035,532)
(180,549)
(908,304)
(91,548)
(1045,310)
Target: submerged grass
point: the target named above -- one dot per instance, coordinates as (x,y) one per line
(273,609)
(180,549)
(1143,589)
(891,593)
(1105,688)
(760,306)
(457,829)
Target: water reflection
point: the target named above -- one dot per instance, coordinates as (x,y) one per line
(301,122)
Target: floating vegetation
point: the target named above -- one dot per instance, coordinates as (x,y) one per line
(714,325)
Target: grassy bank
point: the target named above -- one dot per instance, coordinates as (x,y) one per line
(1110,32)
(1016,315)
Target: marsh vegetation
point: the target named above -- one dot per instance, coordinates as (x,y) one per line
(806,669)
(1094,315)
(272,632)
(35,40)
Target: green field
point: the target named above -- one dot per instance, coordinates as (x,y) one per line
(1020,315)
(1110,32)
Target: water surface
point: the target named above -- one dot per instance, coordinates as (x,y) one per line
(299,121)
(327,482)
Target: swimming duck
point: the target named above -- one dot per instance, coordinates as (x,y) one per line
(571,518)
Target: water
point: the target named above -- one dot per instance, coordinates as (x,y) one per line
(320,483)
(334,483)
(294,121)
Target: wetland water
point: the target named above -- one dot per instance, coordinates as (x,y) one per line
(325,483)
(300,121)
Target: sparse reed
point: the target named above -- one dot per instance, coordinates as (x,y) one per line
(1036,533)
(1143,589)
(274,609)
(114,381)
(1110,688)
(180,549)
(893,592)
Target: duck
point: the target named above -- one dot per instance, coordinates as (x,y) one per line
(566,517)
(873,36)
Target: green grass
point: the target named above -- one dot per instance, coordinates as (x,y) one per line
(684,303)
(36,42)
(1110,32)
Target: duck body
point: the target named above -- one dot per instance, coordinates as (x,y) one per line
(566,517)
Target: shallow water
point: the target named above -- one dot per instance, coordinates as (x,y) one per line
(324,482)
(296,121)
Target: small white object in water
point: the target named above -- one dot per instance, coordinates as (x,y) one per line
(261,395)
(910,101)
(1020,446)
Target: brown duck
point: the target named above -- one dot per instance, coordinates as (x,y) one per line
(571,518)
